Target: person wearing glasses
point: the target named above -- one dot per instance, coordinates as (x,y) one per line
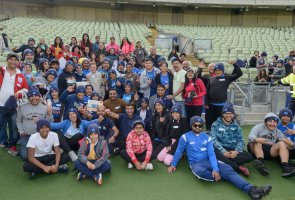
(200,152)
(228,141)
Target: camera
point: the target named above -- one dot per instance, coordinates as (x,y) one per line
(193,93)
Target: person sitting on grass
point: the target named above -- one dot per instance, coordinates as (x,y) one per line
(93,156)
(266,141)
(177,126)
(139,148)
(44,153)
(228,141)
(288,128)
(200,152)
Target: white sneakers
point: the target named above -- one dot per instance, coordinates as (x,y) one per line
(73,156)
(149,166)
(130,166)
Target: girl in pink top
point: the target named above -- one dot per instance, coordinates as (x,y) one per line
(126,46)
(139,148)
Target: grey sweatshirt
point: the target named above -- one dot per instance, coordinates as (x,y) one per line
(28,115)
(260,131)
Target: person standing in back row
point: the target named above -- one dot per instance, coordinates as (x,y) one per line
(217,86)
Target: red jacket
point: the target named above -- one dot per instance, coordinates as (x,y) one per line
(199,89)
(20,80)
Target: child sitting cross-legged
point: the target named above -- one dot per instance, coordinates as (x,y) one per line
(93,156)
(138,148)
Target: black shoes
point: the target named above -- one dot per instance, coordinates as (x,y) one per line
(256,193)
(288,171)
(259,165)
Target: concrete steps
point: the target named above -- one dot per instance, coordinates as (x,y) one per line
(253,115)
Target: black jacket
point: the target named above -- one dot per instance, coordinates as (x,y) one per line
(217,87)
(170,76)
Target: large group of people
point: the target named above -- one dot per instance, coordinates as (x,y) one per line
(84,102)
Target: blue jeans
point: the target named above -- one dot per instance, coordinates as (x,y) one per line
(203,170)
(81,167)
(8,116)
(23,152)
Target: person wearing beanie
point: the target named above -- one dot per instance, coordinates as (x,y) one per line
(93,156)
(148,79)
(30,45)
(161,117)
(72,97)
(124,121)
(128,95)
(178,84)
(55,104)
(145,113)
(139,148)
(70,131)
(132,76)
(216,96)
(116,83)
(193,94)
(228,141)
(279,71)
(68,73)
(287,127)
(262,62)
(266,141)
(177,126)
(48,80)
(44,152)
(27,117)
(203,163)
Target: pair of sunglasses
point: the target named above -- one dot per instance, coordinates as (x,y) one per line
(197,125)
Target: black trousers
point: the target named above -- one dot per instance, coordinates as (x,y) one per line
(140,157)
(240,159)
(68,144)
(291,105)
(212,114)
(193,111)
(47,160)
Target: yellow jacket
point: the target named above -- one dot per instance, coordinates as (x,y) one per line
(290,80)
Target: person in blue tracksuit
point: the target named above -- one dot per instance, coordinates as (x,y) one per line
(203,162)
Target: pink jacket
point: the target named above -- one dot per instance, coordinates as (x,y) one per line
(136,144)
(115,46)
(127,48)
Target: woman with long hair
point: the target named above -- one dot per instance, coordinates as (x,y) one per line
(193,93)
(85,42)
(126,46)
(58,47)
(139,53)
(73,43)
(76,51)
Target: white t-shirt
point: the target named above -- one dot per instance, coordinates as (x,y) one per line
(179,77)
(7,88)
(42,146)
(142,114)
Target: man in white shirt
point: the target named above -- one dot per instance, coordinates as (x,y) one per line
(44,152)
(13,85)
(178,84)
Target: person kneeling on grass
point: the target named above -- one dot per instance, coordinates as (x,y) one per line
(203,162)
(266,141)
(93,156)
(44,152)
(139,148)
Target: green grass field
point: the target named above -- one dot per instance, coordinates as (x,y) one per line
(129,184)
